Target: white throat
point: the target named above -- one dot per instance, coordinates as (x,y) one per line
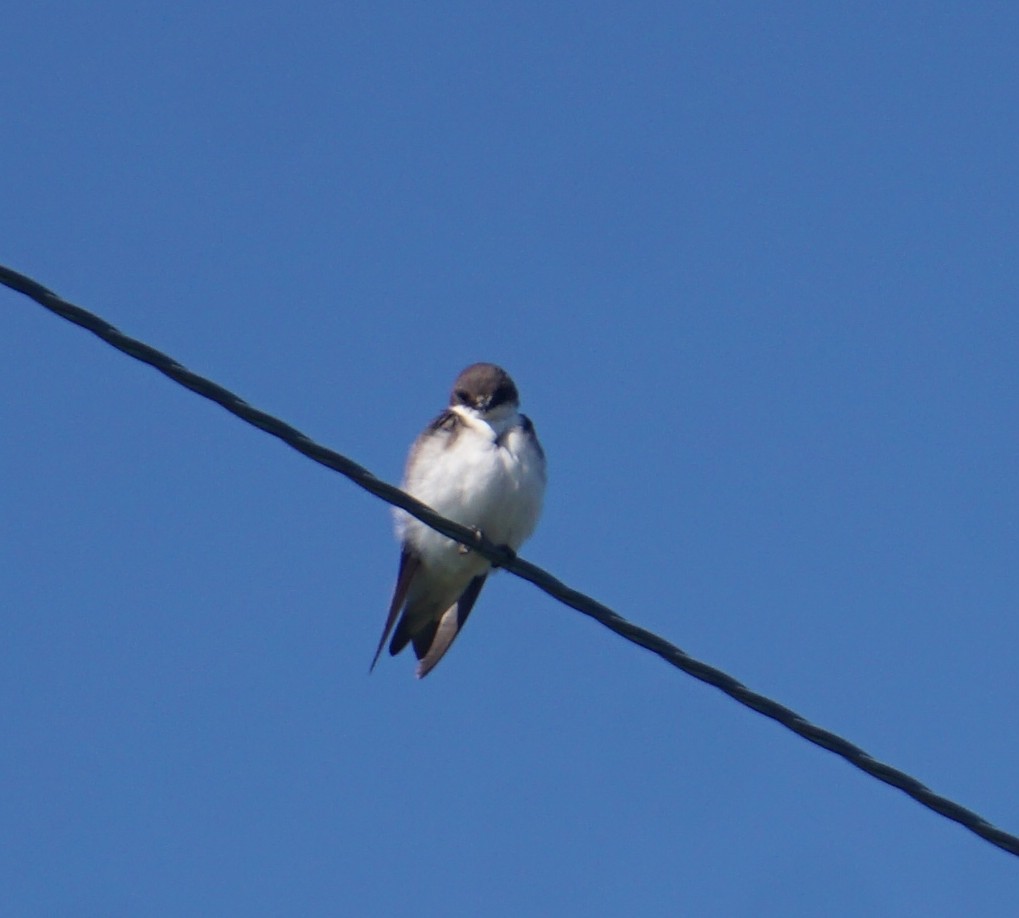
(498,420)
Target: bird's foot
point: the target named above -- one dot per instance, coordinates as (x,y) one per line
(465,549)
(479,537)
(509,551)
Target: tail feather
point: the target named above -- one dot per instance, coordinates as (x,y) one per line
(447,628)
(418,620)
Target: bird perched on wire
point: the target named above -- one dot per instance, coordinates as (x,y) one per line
(480,464)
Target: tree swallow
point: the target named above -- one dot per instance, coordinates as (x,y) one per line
(478,463)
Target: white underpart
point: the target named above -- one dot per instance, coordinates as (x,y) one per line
(495,487)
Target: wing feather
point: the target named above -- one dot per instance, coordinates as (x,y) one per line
(409,564)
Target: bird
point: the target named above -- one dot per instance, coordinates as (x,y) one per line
(480,464)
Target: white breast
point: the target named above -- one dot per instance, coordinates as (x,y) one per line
(472,479)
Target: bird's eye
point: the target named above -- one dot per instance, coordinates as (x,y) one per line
(463,396)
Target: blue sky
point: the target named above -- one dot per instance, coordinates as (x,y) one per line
(754,269)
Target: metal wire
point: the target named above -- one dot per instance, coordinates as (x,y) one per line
(540,578)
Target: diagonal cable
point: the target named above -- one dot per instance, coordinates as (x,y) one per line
(540,578)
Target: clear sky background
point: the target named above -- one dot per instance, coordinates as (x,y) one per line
(755,270)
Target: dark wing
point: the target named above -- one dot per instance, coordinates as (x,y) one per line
(528,428)
(409,564)
(431,637)
(525,423)
(447,421)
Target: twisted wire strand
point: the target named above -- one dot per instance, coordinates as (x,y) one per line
(516,565)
